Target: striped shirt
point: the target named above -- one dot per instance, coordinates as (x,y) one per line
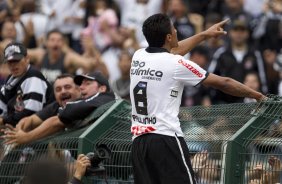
(24,95)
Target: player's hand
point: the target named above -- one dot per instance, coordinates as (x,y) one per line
(261,98)
(81,164)
(216,30)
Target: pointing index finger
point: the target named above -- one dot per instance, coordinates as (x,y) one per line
(223,22)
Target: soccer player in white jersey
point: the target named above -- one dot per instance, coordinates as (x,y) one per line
(159,152)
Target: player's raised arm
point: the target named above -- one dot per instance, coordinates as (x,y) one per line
(188,44)
(231,87)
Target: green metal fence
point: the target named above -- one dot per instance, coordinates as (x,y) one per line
(63,146)
(242,143)
(254,152)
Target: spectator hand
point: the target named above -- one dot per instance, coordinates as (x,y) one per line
(24,125)
(274,162)
(131,40)
(81,164)
(29,27)
(258,171)
(52,14)
(199,160)
(270,56)
(3,15)
(255,181)
(272,177)
(104,26)
(1,121)
(216,30)
(87,42)
(14,136)
(69,19)
(197,20)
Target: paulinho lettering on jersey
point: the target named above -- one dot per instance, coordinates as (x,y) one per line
(144,120)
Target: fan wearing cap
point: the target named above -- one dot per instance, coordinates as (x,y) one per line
(95,92)
(25,91)
(100,83)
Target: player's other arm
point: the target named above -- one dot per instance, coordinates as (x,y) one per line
(231,87)
(188,44)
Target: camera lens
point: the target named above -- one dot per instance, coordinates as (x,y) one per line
(102,153)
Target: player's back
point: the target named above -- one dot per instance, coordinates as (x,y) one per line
(156,86)
(155,95)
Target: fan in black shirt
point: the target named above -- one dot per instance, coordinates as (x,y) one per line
(95,92)
(65,90)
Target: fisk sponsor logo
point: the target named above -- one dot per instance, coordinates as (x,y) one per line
(191,68)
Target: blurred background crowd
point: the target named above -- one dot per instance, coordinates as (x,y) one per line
(82,36)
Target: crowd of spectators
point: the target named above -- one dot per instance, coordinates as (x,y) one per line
(66,38)
(83,36)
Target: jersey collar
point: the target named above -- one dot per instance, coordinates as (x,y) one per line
(156,49)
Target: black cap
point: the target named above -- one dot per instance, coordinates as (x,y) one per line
(97,76)
(14,51)
(239,24)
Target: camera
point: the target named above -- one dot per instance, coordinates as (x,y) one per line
(96,158)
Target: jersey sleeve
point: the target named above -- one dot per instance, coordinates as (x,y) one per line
(189,72)
(80,109)
(34,92)
(76,110)
(48,111)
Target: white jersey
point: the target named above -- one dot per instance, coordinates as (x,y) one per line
(157,79)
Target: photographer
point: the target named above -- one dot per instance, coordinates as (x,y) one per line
(81,164)
(48,170)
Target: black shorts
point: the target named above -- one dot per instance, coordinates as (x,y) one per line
(158,159)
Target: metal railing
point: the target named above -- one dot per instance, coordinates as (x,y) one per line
(230,144)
